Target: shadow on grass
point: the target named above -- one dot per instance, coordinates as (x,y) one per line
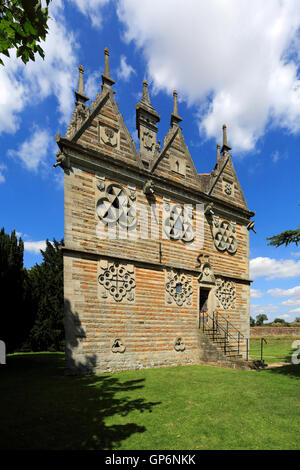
(293,370)
(43,409)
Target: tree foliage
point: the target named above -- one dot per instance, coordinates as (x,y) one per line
(15,318)
(31,315)
(46,281)
(23,24)
(285,238)
(260,319)
(281,321)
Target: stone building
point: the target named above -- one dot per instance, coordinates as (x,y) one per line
(156,255)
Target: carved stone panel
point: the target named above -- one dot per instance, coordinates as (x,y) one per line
(116,281)
(108,135)
(179,345)
(228,188)
(224,235)
(225,293)
(118,346)
(178,222)
(179,288)
(207,273)
(148,140)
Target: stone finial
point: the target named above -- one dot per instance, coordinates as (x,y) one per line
(106,62)
(80,79)
(146,97)
(225,146)
(218,151)
(106,78)
(79,94)
(175,106)
(175,119)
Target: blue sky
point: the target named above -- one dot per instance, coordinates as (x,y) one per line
(231,61)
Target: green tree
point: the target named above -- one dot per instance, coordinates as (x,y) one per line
(285,238)
(15,303)
(252,321)
(23,24)
(297,319)
(280,320)
(46,282)
(260,319)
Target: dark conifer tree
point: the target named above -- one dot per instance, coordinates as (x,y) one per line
(46,282)
(12,292)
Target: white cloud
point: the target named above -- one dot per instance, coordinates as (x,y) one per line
(256,309)
(295,310)
(231,58)
(35,247)
(296,254)
(92,9)
(256,293)
(272,268)
(92,84)
(293,293)
(276,156)
(33,152)
(125,70)
(2,177)
(29,85)
(286,316)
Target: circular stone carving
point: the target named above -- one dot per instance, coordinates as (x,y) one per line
(180,288)
(116,208)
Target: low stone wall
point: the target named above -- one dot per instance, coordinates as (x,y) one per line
(257,331)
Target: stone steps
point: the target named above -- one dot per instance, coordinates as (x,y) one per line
(212,352)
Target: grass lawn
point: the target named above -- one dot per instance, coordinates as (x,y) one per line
(192,407)
(277,349)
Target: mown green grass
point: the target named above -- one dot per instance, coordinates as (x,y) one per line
(277,348)
(192,407)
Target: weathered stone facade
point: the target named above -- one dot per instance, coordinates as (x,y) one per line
(145,236)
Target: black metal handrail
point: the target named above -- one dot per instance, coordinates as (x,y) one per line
(218,330)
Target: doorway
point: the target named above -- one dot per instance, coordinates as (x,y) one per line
(203,305)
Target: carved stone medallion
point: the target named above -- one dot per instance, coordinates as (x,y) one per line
(225,293)
(117,281)
(116,206)
(179,288)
